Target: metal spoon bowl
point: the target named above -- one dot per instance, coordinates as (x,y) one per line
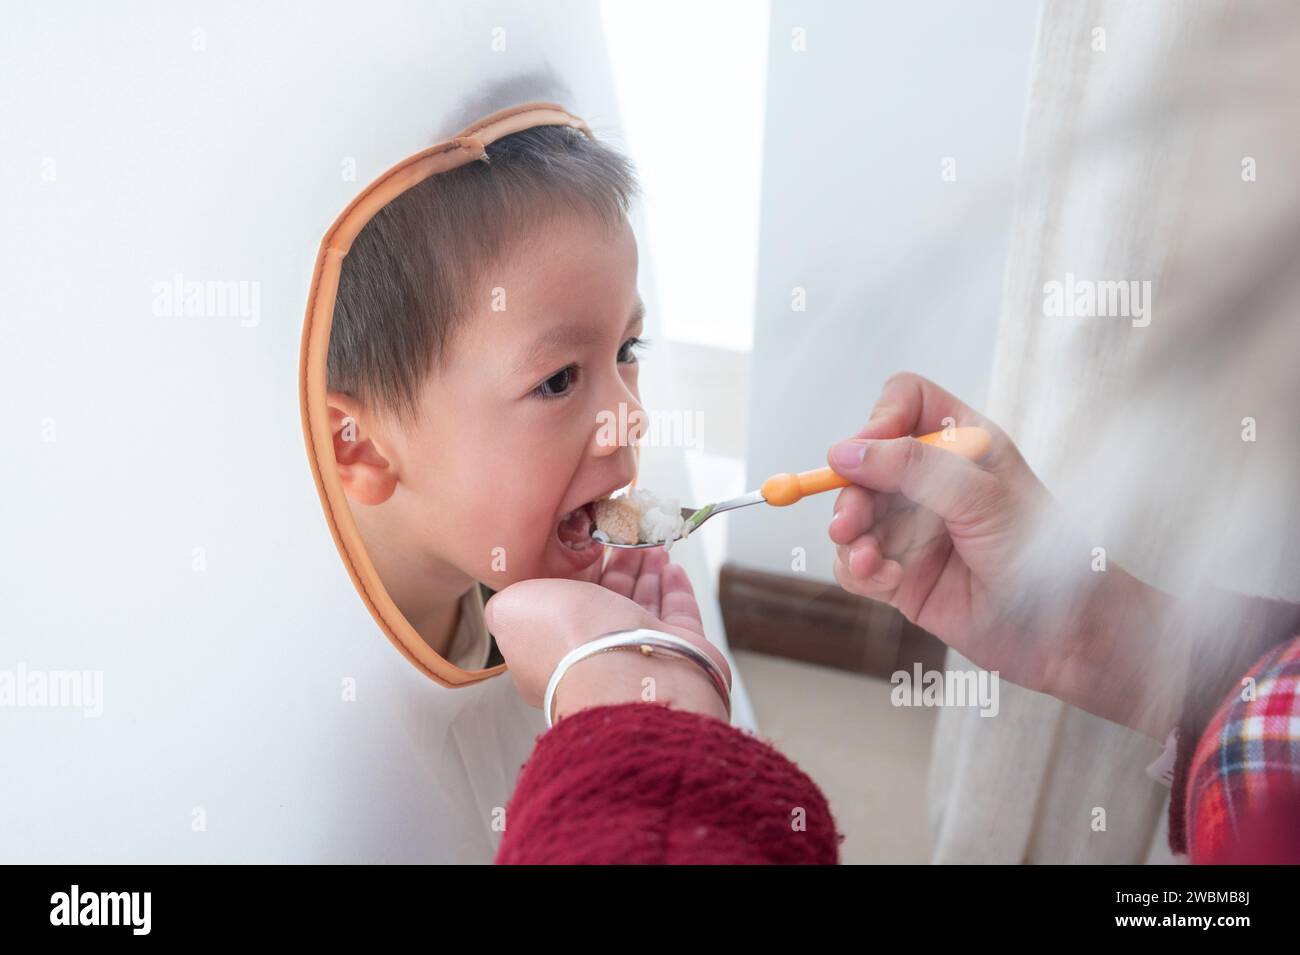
(693,518)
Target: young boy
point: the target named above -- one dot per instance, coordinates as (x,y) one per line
(486,322)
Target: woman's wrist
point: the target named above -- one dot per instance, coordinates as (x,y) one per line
(1128,659)
(625,676)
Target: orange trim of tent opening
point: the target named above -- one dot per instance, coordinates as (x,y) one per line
(466,147)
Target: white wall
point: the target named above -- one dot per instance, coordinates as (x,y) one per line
(902,269)
(137,148)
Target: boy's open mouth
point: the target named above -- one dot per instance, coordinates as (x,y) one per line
(574,529)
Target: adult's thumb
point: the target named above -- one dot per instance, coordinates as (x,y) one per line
(943,481)
(528,603)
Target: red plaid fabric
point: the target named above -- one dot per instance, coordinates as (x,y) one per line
(1243,792)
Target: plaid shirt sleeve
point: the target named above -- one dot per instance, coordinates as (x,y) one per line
(1243,788)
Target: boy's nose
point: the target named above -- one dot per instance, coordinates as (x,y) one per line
(620,425)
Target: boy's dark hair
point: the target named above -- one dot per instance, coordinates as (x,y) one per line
(407,282)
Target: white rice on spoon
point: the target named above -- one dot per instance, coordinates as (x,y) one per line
(639,517)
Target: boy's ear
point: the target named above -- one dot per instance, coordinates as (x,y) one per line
(368,476)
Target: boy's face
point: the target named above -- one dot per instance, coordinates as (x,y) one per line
(513,428)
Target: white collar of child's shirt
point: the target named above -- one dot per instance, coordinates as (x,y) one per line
(471,645)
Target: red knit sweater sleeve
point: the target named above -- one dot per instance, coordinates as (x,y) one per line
(641,783)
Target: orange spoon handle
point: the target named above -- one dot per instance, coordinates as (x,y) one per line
(782,489)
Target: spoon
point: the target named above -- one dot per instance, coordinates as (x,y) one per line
(781,490)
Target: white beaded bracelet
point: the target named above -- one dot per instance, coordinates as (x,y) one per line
(648,642)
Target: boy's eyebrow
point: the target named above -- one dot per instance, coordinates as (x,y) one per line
(570,336)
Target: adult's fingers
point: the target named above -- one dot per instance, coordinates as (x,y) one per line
(864,558)
(621,571)
(855,512)
(649,588)
(678,606)
(882,587)
(905,531)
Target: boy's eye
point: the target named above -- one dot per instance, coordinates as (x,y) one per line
(561,383)
(558,384)
(627,353)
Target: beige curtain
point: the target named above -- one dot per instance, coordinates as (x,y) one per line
(1160,146)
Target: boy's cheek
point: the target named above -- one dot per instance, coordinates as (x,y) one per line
(498,531)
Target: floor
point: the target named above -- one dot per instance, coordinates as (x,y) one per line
(869,757)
